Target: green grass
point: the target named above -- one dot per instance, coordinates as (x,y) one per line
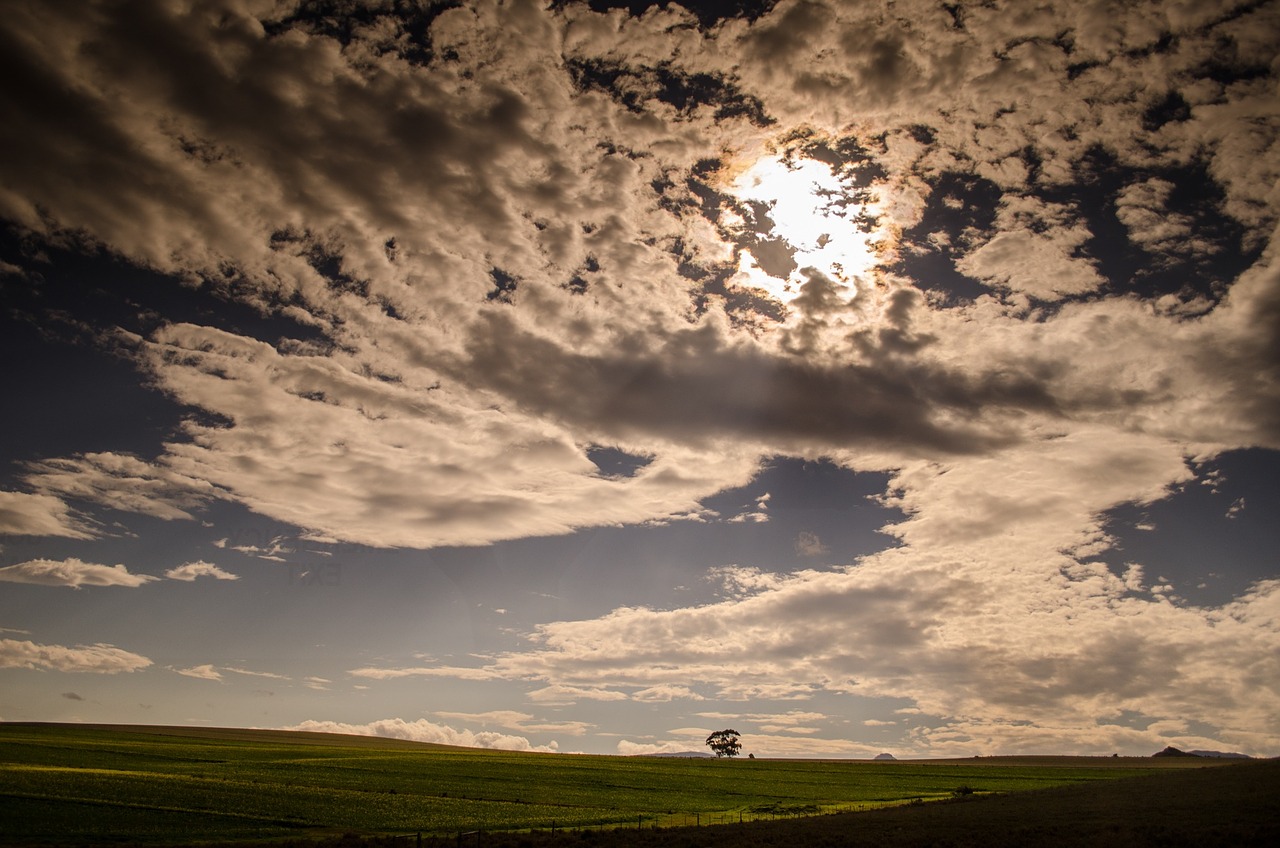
(78,783)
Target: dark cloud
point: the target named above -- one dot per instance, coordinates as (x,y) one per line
(698,387)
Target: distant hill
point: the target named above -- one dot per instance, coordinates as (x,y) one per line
(1225,755)
(885,757)
(1174,752)
(681,754)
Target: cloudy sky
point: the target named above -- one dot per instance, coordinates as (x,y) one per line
(588,376)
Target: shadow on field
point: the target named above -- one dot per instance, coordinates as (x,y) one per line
(1236,805)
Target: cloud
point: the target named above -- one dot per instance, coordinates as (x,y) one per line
(39,515)
(456,672)
(810,544)
(72,572)
(191,570)
(669,692)
(249,673)
(212,672)
(1143,209)
(201,672)
(943,619)
(1041,266)
(564,695)
(120,481)
(523,722)
(422,730)
(627,748)
(479,271)
(761,744)
(95,659)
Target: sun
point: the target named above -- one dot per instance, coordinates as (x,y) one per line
(820,216)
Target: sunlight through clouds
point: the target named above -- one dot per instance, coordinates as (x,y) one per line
(595,371)
(809,207)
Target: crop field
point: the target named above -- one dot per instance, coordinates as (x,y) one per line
(82,784)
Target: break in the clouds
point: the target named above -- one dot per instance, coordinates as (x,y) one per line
(424,277)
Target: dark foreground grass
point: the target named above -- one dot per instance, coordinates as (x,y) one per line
(81,785)
(1237,806)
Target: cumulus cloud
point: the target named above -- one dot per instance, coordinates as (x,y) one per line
(24,514)
(191,570)
(72,572)
(95,659)
(628,748)
(499,253)
(422,730)
(943,619)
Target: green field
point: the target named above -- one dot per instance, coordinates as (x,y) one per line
(80,783)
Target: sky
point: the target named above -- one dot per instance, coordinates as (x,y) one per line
(591,376)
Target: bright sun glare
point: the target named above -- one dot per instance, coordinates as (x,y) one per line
(811,211)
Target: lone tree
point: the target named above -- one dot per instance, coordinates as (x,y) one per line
(724,743)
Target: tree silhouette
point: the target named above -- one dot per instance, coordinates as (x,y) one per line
(724,743)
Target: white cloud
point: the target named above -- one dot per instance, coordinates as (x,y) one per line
(250,673)
(455,672)
(72,572)
(201,672)
(191,570)
(122,482)
(666,692)
(1142,208)
(563,695)
(39,515)
(627,748)
(983,616)
(522,722)
(1035,251)
(96,659)
(422,730)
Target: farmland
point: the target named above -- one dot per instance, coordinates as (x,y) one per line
(82,784)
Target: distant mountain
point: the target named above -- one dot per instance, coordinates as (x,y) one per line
(884,757)
(1221,755)
(1174,752)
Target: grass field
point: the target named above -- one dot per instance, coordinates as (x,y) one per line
(68,784)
